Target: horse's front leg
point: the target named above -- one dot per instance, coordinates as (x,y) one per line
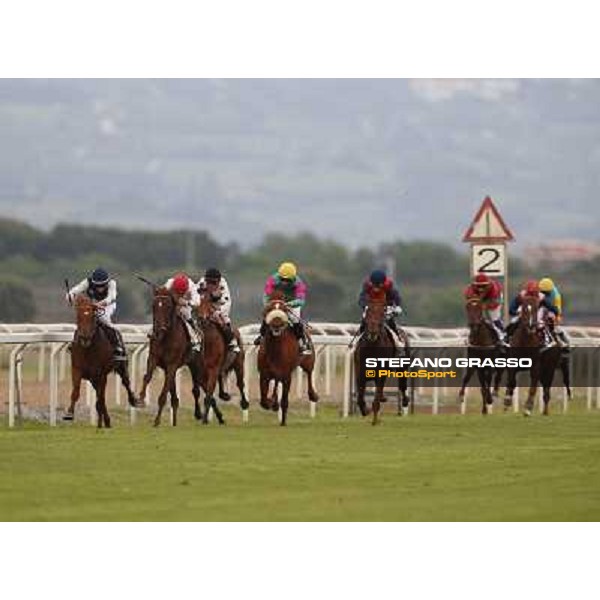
(150,368)
(162,397)
(100,387)
(467,377)
(121,370)
(174,401)
(265,402)
(239,380)
(285,391)
(195,372)
(379,398)
(532,392)
(75,393)
(511,384)
(312,394)
(223,394)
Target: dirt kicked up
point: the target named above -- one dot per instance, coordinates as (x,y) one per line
(448,467)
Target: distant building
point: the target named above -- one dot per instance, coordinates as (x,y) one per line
(561,253)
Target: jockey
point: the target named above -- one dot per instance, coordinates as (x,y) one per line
(490,292)
(287,281)
(379,285)
(187,298)
(553,295)
(215,286)
(544,307)
(102,290)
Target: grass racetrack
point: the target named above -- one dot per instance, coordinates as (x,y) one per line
(423,467)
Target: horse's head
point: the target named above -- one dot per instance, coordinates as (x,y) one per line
(276,315)
(474,310)
(529,308)
(205,309)
(163,312)
(85,311)
(374,320)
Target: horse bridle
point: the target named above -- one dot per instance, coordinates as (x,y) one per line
(85,340)
(159,330)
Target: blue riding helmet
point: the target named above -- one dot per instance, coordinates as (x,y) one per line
(100,277)
(377,277)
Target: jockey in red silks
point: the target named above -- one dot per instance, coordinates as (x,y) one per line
(187,298)
(287,281)
(379,286)
(490,293)
(545,307)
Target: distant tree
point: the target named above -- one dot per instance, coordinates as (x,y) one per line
(16,301)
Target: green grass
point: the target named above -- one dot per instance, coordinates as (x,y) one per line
(447,467)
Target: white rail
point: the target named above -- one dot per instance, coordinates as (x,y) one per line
(331,342)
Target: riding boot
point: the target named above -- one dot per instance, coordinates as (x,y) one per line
(263,331)
(116,340)
(563,340)
(391,323)
(510,328)
(501,342)
(547,341)
(230,339)
(195,335)
(301,337)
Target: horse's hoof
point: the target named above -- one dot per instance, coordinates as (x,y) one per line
(264,404)
(225,397)
(68,417)
(244,404)
(527,413)
(222,422)
(275,406)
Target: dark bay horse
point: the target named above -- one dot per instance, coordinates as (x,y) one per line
(214,363)
(482,344)
(92,359)
(526,341)
(170,350)
(375,336)
(278,356)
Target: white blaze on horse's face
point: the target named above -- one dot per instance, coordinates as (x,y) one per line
(277,320)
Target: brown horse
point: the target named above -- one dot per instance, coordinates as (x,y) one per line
(526,341)
(214,363)
(169,349)
(482,344)
(278,356)
(92,359)
(375,336)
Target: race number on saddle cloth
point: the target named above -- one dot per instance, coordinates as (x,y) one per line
(554,297)
(378,286)
(490,293)
(287,282)
(545,308)
(187,298)
(101,289)
(215,287)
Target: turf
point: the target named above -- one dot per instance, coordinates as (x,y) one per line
(445,467)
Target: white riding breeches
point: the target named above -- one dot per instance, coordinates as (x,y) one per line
(494,314)
(105,315)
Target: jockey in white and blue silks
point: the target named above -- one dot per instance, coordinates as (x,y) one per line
(102,290)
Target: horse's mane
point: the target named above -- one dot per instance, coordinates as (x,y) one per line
(161,291)
(83,301)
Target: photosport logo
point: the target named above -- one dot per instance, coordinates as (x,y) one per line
(448,365)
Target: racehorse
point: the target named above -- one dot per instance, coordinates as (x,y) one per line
(525,341)
(278,356)
(482,344)
(375,336)
(169,350)
(92,359)
(214,362)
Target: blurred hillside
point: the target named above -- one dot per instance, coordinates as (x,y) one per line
(242,158)
(431,275)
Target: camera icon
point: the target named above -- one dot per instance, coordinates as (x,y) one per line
(370,373)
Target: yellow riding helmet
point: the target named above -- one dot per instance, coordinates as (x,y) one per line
(287,270)
(546,284)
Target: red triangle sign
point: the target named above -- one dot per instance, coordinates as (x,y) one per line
(488,225)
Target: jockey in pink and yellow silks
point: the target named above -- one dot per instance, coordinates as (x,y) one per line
(287,282)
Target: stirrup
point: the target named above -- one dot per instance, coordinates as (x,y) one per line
(257,341)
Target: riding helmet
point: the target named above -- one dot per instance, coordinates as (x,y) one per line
(180,284)
(100,277)
(546,284)
(212,274)
(482,279)
(377,277)
(287,270)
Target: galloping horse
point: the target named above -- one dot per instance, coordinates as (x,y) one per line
(526,341)
(92,359)
(278,356)
(214,362)
(169,350)
(375,336)
(482,344)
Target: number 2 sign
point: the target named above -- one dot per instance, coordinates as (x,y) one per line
(488,259)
